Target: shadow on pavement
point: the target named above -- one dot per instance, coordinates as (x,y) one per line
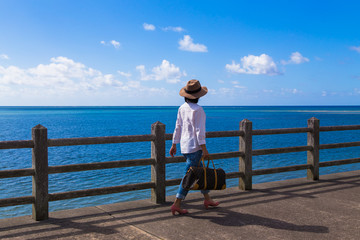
(111,219)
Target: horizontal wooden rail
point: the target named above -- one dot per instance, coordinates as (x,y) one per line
(236,133)
(173,182)
(235,175)
(339,145)
(215,156)
(280,169)
(16,144)
(6,202)
(339,162)
(339,128)
(99,140)
(17,173)
(100,165)
(281,150)
(176,159)
(100,191)
(280,131)
(168,136)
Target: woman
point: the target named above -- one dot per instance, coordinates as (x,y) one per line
(190,133)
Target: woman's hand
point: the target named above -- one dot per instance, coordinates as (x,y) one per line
(173,150)
(205,152)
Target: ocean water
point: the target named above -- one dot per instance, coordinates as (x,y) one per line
(69,122)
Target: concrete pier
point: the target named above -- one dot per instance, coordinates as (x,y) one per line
(290,209)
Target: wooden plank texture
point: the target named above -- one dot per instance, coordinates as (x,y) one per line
(281,169)
(245,161)
(16,144)
(268,151)
(313,140)
(17,173)
(41,177)
(339,128)
(99,140)
(281,131)
(339,145)
(16,201)
(158,193)
(339,162)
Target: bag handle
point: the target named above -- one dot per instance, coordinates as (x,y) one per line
(203,161)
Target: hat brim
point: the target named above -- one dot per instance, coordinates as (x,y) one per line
(199,94)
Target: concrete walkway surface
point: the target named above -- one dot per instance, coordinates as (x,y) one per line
(290,209)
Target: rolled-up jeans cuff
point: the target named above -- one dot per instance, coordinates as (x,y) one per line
(205,191)
(180,196)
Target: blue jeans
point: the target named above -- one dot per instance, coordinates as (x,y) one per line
(192,160)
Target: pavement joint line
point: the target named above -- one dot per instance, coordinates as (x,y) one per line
(98,207)
(129,224)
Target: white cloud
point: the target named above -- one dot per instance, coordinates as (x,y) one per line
(224,91)
(211,91)
(134,88)
(127,75)
(296,58)
(268,91)
(166,71)
(323,93)
(62,74)
(186,44)
(115,43)
(251,64)
(221,81)
(236,85)
(63,81)
(240,87)
(143,75)
(149,27)
(357,49)
(174,29)
(291,91)
(228,91)
(356,91)
(4,56)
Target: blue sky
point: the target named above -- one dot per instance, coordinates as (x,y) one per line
(117,53)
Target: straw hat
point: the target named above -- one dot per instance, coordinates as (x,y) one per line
(193,90)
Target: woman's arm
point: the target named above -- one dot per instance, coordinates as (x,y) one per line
(173,150)
(205,152)
(176,135)
(200,121)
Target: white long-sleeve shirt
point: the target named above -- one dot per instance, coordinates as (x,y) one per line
(190,128)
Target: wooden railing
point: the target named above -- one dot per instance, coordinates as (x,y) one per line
(40,170)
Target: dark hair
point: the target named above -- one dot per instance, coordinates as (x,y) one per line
(188,100)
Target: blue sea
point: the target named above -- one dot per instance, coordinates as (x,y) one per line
(70,122)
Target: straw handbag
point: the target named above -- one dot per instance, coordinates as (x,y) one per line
(204,178)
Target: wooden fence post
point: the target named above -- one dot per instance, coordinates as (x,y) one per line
(40,208)
(158,170)
(245,163)
(313,156)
